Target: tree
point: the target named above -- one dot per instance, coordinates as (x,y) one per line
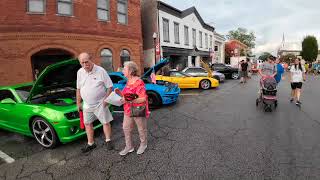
(264,56)
(288,58)
(242,35)
(309,48)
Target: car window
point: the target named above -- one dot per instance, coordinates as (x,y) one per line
(23,92)
(200,70)
(115,79)
(189,70)
(4,94)
(176,74)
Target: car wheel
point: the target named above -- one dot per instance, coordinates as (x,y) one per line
(44,133)
(205,84)
(217,78)
(153,99)
(235,75)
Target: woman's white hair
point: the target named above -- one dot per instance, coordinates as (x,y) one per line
(132,67)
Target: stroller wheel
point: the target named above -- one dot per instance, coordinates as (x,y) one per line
(275,104)
(267,108)
(257,102)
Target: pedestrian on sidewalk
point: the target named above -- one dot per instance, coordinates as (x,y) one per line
(93,87)
(280,71)
(297,77)
(243,71)
(136,108)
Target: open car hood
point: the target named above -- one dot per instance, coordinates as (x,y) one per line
(156,68)
(58,75)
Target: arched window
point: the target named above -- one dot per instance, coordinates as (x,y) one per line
(106,60)
(124,56)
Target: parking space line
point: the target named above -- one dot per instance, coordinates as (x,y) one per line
(6,158)
(189,94)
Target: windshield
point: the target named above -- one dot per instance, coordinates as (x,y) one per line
(23,92)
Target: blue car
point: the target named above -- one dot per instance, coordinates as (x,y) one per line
(161,93)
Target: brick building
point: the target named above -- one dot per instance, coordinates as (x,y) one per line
(36,33)
(236,48)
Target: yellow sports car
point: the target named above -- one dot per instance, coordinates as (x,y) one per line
(186,81)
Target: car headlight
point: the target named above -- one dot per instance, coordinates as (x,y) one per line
(167,89)
(72,115)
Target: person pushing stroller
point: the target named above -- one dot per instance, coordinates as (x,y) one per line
(268,84)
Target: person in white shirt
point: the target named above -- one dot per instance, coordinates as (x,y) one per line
(297,76)
(93,87)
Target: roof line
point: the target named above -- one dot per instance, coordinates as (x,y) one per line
(184,13)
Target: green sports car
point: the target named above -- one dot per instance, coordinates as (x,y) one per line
(45,109)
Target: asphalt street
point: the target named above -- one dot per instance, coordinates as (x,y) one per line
(214,134)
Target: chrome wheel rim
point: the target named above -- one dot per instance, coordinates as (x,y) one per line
(235,76)
(205,84)
(42,133)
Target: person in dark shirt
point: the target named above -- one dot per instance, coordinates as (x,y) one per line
(243,71)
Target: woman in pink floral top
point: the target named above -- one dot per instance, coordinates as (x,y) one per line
(134,86)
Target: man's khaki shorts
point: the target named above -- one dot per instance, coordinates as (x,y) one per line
(101,113)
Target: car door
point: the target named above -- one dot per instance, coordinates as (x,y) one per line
(178,78)
(9,116)
(221,68)
(201,72)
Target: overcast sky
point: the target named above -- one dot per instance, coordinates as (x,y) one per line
(269,19)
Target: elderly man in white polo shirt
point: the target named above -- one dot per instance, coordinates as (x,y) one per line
(93,86)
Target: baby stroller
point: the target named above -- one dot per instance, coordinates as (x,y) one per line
(268,93)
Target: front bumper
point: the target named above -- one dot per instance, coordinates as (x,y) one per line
(171,97)
(215,84)
(70,130)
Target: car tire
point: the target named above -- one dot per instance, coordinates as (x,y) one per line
(44,133)
(235,75)
(154,99)
(205,84)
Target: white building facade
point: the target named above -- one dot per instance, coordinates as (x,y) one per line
(182,35)
(219,48)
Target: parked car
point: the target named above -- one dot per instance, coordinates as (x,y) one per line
(47,108)
(187,81)
(161,93)
(229,72)
(201,72)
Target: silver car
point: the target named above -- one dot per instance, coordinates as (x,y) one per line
(201,72)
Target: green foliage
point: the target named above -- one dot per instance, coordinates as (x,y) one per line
(264,56)
(309,48)
(289,58)
(242,35)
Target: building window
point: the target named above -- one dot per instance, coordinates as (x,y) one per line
(206,40)
(106,60)
(200,39)
(103,10)
(65,7)
(176,33)
(124,56)
(123,11)
(36,6)
(216,48)
(166,37)
(194,37)
(210,45)
(186,35)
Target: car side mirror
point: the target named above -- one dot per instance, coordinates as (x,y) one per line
(8,101)
(122,82)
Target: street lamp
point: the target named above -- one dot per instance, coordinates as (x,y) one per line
(155,47)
